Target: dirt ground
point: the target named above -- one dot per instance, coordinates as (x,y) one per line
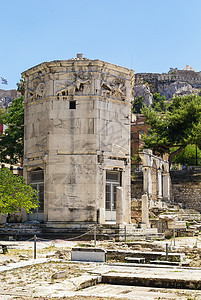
(18,281)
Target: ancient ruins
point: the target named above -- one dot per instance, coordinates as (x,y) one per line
(77,140)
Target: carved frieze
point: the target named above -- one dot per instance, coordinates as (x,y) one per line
(79,86)
(37,90)
(114,88)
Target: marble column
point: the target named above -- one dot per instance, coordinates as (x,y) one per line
(119,206)
(166,187)
(159,184)
(101,219)
(145,210)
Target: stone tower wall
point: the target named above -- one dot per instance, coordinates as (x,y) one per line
(76,145)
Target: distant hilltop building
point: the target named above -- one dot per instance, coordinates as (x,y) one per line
(175,82)
(187,67)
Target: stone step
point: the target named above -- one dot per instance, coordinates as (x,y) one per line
(84,231)
(164,262)
(139,260)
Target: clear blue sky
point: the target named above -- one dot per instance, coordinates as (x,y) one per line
(146,35)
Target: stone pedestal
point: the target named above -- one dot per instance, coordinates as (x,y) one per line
(119,206)
(88,254)
(166,186)
(145,210)
(101,218)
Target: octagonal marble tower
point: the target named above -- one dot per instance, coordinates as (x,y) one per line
(77,140)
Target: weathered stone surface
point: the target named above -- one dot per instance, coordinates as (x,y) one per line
(136,211)
(156,178)
(177,88)
(88,254)
(175,82)
(137,185)
(144,91)
(77,127)
(186,185)
(151,282)
(120,206)
(57,275)
(145,210)
(148,255)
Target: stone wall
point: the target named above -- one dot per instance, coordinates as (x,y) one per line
(136,195)
(136,211)
(137,185)
(186,188)
(9,93)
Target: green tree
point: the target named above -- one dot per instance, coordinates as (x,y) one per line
(2,113)
(15,194)
(21,87)
(176,129)
(12,142)
(138,105)
(158,103)
(188,156)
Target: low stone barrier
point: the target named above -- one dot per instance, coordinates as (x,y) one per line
(88,254)
(147,281)
(148,255)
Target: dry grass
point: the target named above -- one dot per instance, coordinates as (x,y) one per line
(29,279)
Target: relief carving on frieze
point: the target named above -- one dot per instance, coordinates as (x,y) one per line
(113,89)
(81,85)
(37,91)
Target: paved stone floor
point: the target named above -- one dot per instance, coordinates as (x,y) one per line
(68,287)
(137,293)
(150,271)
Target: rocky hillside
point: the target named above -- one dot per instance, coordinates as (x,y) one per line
(175,82)
(6,97)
